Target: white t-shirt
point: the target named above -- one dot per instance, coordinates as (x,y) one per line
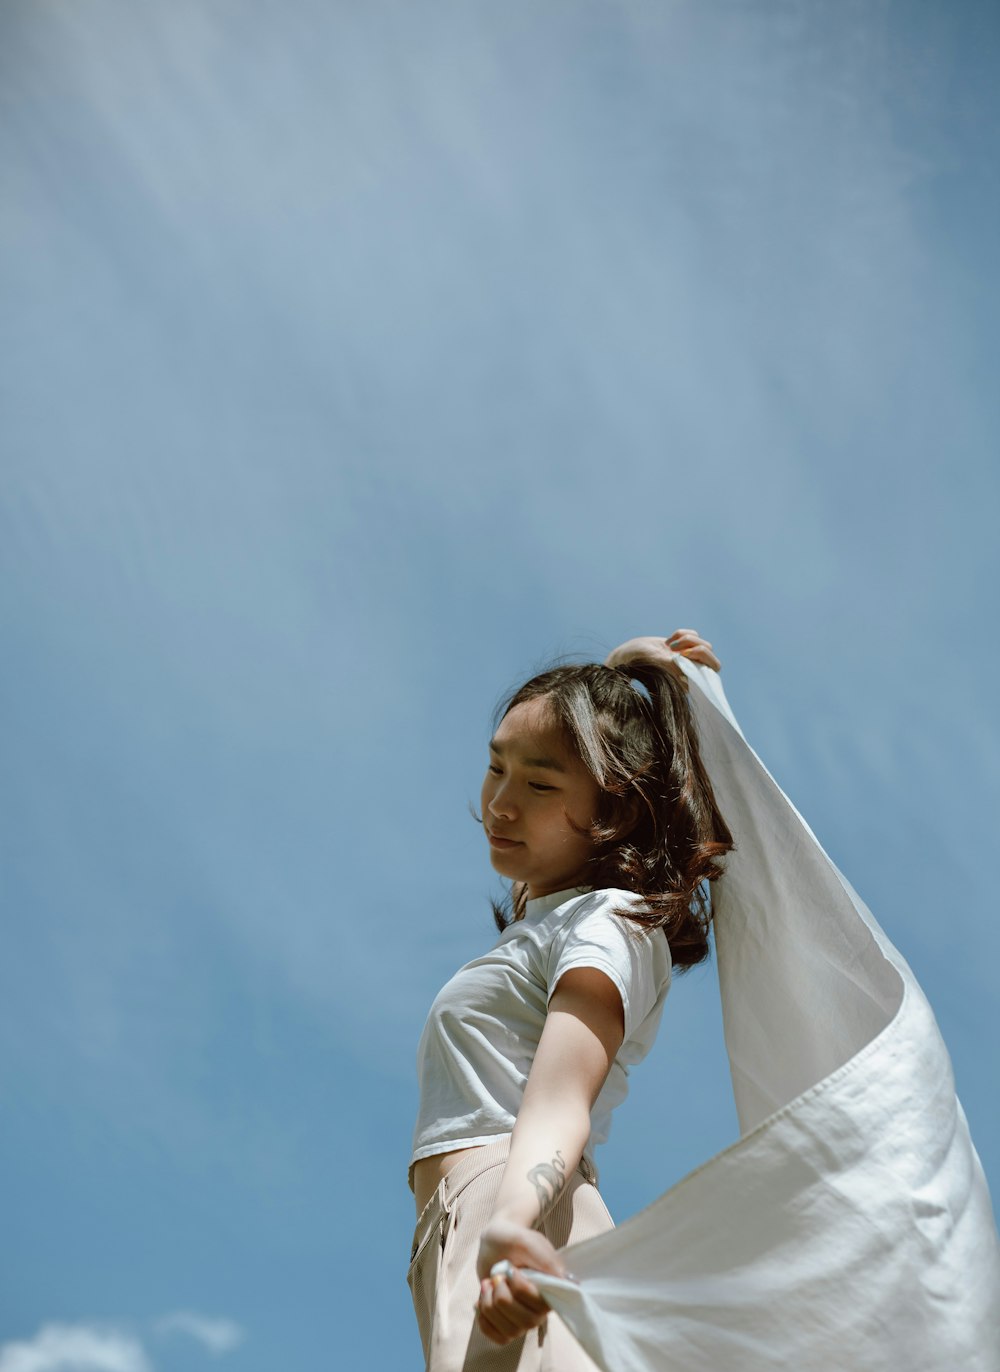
(484,1026)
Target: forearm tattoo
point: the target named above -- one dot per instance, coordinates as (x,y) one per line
(548,1179)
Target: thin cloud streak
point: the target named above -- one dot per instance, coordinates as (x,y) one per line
(217,1335)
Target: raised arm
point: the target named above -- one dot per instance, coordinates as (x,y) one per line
(583,1031)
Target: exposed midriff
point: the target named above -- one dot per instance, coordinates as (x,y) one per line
(428,1172)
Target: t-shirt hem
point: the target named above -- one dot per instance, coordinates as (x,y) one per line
(429,1150)
(432,1150)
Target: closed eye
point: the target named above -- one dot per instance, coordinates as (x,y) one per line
(540,786)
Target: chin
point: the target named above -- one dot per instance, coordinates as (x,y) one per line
(501,864)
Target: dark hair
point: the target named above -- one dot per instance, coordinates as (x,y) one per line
(658,831)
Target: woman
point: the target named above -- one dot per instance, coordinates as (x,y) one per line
(598,809)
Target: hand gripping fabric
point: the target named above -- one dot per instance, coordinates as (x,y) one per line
(850,1228)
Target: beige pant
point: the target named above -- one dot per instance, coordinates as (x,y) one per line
(442,1275)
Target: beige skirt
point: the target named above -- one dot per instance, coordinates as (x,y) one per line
(442,1276)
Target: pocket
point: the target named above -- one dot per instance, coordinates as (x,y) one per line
(432,1222)
(422,1236)
(424,1272)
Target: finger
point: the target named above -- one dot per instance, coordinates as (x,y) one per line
(527,1294)
(491,1332)
(491,1309)
(494,1334)
(703,654)
(691,645)
(508,1305)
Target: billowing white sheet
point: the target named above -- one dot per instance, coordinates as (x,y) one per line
(850,1228)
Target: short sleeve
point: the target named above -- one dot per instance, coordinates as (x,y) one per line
(637,962)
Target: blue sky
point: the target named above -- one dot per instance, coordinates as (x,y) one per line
(356,361)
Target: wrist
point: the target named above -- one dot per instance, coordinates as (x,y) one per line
(655,652)
(516,1213)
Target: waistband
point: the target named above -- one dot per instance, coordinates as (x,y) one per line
(473,1165)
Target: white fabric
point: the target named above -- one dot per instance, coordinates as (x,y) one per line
(480,1038)
(850,1228)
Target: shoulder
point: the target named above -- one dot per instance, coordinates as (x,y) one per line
(595,933)
(596,926)
(606,908)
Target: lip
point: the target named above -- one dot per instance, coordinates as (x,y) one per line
(496,841)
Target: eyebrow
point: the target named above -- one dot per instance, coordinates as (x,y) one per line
(550,764)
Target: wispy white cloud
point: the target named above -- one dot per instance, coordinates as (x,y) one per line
(76,1348)
(104,1347)
(217,1335)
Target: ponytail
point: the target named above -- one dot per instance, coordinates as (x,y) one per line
(684,836)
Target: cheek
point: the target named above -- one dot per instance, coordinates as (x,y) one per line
(582,812)
(568,828)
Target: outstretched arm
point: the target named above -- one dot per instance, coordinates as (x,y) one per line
(583,1031)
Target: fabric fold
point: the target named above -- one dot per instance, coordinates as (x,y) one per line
(850,1226)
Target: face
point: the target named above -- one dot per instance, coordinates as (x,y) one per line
(534,791)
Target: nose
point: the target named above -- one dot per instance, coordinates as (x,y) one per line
(501,804)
